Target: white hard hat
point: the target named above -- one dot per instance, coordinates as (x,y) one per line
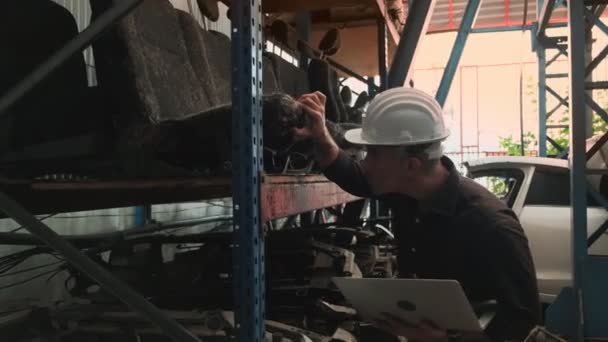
(401,117)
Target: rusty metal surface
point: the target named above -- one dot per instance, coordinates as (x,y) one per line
(47,197)
(288,195)
(281,195)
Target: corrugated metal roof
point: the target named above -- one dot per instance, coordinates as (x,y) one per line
(492,14)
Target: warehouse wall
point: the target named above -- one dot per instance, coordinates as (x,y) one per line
(52,290)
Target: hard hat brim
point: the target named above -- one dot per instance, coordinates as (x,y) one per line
(355,136)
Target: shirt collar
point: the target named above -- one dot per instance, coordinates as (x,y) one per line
(445,199)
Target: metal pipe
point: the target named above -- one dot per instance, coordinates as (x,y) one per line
(105,279)
(76,45)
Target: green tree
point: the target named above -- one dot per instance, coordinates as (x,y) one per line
(513,147)
(562,137)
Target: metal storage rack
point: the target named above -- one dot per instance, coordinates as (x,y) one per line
(578,312)
(256,197)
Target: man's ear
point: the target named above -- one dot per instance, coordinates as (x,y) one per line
(413,164)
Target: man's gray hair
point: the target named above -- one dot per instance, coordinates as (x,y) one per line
(430,154)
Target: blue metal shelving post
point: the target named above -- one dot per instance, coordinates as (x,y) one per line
(578,184)
(248,247)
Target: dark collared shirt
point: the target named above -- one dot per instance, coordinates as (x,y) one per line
(464,233)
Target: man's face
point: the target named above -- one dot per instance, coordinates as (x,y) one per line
(385,168)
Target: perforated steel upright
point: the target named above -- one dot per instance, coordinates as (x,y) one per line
(248,247)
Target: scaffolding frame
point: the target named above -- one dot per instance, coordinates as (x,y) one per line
(578,310)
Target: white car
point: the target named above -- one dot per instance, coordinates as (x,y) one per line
(538,191)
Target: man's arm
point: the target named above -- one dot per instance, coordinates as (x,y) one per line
(510,263)
(348,174)
(336,165)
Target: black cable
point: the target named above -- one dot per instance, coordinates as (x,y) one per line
(30,269)
(29,279)
(10,261)
(21,227)
(59,270)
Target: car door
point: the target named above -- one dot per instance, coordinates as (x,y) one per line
(545,217)
(509,184)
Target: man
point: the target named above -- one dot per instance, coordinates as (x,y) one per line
(447,226)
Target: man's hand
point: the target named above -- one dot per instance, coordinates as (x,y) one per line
(326,150)
(424,331)
(314,109)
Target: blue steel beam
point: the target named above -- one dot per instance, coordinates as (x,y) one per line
(468,19)
(596,107)
(578,183)
(562,101)
(592,18)
(542,98)
(554,58)
(382,56)
(600,231)
(513,28)
(416,25)
(248,251)
(596,61)
(544,16)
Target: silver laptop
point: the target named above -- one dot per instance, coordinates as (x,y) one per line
(440,301)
